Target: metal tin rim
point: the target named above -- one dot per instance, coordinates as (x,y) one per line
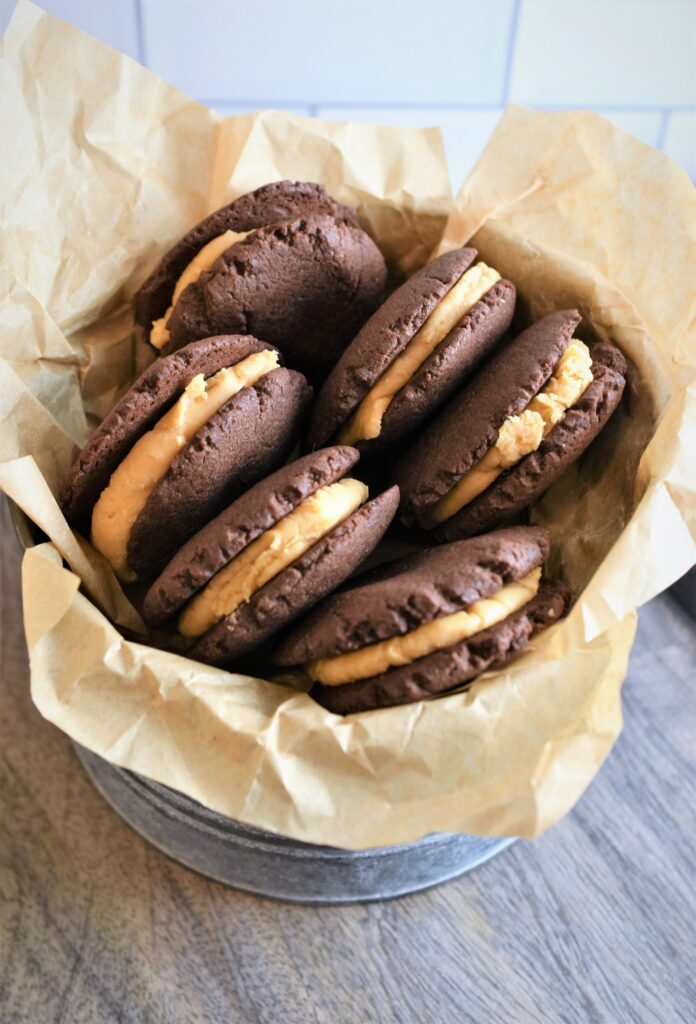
(240,855)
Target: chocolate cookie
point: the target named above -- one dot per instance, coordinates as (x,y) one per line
(416,350)
(453,666)
(137,411)
(271,204)
(287,259)
(305,285)
(271,555)
(406,619)
(526,481)
(540,399)
(410,591)
(320,571)
(256,511)
(196,429)
(252,434)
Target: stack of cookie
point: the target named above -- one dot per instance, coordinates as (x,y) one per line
(458,425)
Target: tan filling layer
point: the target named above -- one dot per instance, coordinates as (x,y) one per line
(433,636)
(271,553)
(131,484)
(366,421)
(203,260)
(521,435)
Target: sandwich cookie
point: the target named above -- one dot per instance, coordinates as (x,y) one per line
(196,429)
(286,263)
(413,353)
(276,551)
(271,204)
(527,415)
(428,622)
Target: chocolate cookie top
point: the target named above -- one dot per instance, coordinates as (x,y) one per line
(249,436)
(526,481)
(325,566)
(259,509)
(385,335)
(271,204)
(306,285)
(413,590)
(450,667)
(469,426)
(137,412)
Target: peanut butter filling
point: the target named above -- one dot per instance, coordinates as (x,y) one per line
(202,261)
(521,435)
(131,484)
(432,636)
(366,421)
(271,553)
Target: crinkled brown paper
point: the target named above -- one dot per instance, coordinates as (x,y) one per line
(104,166)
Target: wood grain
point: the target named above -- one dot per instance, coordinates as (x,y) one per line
(593,922)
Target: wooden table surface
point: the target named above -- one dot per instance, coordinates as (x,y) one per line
(595,921)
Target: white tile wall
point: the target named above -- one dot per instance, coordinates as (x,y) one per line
(449,62)
(589,52)
(645,125)
(228,109)
(331,51)
(113,21)
(680,139)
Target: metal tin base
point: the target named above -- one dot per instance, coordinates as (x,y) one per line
(270,865)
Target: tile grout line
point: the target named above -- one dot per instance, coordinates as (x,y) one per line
(512,40)
(139,24)
(260,102)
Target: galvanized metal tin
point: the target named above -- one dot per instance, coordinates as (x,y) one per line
(270,865)
(262,862)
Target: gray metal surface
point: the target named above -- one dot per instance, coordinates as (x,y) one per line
(270,865)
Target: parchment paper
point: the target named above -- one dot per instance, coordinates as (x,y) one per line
(107,166)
